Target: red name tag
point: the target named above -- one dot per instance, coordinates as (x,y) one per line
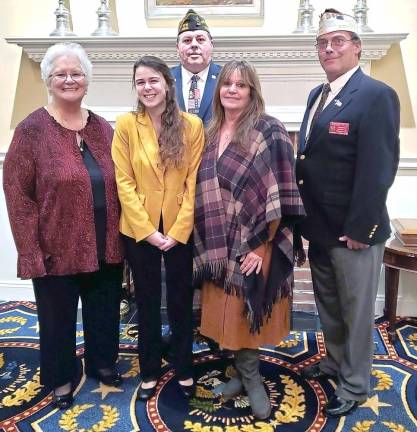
(339,128)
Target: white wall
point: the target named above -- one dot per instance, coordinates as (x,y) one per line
(11,288)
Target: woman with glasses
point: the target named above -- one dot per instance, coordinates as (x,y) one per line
(62,202)
(157,151)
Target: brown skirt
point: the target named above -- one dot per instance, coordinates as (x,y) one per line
(222,320)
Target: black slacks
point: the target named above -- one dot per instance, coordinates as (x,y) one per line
(57,300)
(145,263)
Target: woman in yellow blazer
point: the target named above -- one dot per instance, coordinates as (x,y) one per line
(157,151)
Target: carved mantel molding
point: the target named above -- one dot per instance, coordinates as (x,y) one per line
(268,51)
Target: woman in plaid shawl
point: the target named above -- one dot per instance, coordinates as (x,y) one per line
(246,202)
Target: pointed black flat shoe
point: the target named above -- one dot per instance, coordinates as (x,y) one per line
(62,401)
(338,406)
(187,390)
(113,379)
(145,394)
(314,372)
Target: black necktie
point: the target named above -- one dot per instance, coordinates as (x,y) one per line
(194,96)
(324,93)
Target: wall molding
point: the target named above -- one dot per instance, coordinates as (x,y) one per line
(293,49)
(23,290)
(16,290)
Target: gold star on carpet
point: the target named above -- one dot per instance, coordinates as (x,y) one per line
(35,327)
(374,404)
(105,390)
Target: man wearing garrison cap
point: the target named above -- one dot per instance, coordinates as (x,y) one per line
(196,76)
(347,160)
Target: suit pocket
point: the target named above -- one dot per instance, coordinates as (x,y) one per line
(180,197)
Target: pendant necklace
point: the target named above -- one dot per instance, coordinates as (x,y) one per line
(59,119)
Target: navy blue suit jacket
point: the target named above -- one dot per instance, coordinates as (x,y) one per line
(349,163)
(205,111)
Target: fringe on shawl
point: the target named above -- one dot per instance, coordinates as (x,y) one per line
(216,272)
(259,295)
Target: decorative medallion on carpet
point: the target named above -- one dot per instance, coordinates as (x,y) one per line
(25,405)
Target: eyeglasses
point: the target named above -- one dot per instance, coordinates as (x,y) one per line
(62,77)
(337,42)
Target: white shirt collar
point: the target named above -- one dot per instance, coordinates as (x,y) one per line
(187,75)
(339,83)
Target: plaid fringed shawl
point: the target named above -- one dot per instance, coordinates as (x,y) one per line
(262,190)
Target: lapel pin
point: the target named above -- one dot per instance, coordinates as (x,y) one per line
(337,102)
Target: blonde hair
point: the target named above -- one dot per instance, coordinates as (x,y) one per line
(252,112)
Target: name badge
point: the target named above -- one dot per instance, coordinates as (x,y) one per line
(339,128)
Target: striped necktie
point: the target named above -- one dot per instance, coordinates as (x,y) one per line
(324,93)
(194,96)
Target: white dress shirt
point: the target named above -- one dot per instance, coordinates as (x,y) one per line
(186,83)
(335,87)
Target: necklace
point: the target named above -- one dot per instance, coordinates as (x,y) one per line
(225,139)
(69,125)
(227,135)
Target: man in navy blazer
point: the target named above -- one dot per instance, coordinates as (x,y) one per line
(347,160)
(195,47)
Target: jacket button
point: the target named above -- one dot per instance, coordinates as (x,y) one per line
(300,182)
(302,157)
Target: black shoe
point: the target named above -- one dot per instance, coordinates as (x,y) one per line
(314,372)
(338,407)
(187,390)
(111,379)
(145,393)
(63,401)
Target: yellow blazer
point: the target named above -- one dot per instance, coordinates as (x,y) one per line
(145,189)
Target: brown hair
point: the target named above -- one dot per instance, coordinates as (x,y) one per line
(250,115)
(171,138)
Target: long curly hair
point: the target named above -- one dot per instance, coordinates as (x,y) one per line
(251,113)
(171,138)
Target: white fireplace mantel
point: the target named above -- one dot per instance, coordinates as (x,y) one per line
(294,49)
(287,65)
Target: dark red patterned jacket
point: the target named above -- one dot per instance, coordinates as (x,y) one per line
(49,196)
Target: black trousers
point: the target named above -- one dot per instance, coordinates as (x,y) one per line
(145,263)
(57,300)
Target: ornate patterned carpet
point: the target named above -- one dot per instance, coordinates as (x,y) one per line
(25,406)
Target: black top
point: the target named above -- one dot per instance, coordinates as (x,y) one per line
(99,198)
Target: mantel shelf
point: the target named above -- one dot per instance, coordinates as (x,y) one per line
(268,51)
